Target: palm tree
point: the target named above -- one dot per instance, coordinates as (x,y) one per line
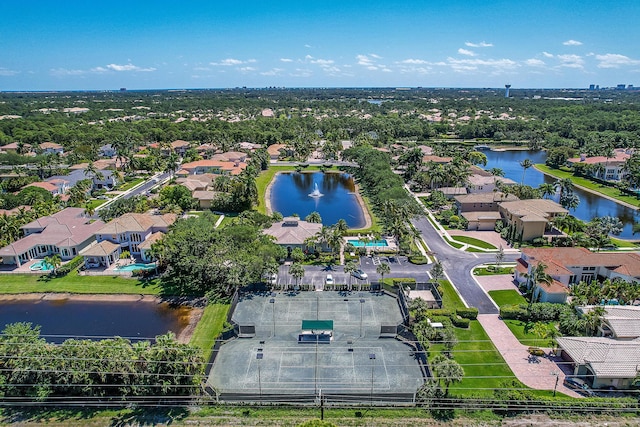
(547,189)
(564,185)
(54,261)
(314,217)
(540,330)
(526,164)
(297,271)
(592,319)
(89,209)
(349,268)
(382,269)
(447,370)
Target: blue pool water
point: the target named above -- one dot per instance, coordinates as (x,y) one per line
(137,266)
(41,266)
(358,243)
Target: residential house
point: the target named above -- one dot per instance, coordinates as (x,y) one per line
(15,147)
(602,362)
(603,167)
(127,232)
(437,159)
(231,156)
(620,322)
(530,217)
(292,232)
(214,166)
(481,210)
(572,265)
(276,150)
(205,198)
(249,146)
(107,150)
(51,188)
(51,148)
(481,181)
(180,147)
(65,233)
(105,179)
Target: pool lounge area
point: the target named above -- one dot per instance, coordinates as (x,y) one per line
(40,265)
(136,266)
(371,244)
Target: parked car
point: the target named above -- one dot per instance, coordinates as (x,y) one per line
(329,280)
(359,274)
(271,279)
(92,265)
(578,385)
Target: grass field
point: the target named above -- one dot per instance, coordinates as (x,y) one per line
(484,271)
(590,185)
(450,298)
(73,283)
(209,327)
(129,185)
(507,297)
(475,242)
(522,331)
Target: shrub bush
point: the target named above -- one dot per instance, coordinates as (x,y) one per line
(70,266)
(418,259)
(460,322)
(439,312)
(513,312)
(470,313)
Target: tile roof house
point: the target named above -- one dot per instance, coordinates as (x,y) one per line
(620,322)
(572,265)
(610,168)
(602,362)
(481,209)
(530,217)
(65,233)
(276,150)
(128,232)
(51,148)
(214,166)
(292,232)
(14,147)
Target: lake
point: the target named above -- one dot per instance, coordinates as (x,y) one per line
(591,205)
(63,319)
(290,194)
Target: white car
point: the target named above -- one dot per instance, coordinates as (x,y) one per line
(359,274)
(329,280)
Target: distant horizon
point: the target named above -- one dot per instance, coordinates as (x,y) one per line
(58,46)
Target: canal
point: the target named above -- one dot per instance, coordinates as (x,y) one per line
(591,205)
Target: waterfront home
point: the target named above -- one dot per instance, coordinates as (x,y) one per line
(603,167)
(530,217)
(130,232)
(65,233)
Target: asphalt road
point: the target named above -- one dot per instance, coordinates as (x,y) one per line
(458,265)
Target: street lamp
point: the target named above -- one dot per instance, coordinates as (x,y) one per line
(361,305)
(259,357)
(272,301)
(555,387)
(372,357)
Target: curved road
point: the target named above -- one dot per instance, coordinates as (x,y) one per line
(458,265)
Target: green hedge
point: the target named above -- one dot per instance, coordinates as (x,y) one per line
(537,312)
(470,313)
(418,260)
(70,266)
(460,322)
(439,312)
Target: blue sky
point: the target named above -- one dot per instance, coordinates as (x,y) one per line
(91,44)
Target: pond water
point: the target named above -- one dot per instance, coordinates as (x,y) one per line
(64,319)
(291,193)
(591,205)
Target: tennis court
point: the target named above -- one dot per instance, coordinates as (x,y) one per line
(356,361)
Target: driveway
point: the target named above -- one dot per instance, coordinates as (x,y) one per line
(538,375)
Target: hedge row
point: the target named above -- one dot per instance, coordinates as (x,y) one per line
(70,266)
(470,313)
(465,316)
(537,312)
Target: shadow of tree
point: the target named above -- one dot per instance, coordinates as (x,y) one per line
(149,416)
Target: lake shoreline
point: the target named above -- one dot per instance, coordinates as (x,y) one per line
(195,314)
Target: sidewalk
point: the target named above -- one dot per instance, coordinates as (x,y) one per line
(538,375)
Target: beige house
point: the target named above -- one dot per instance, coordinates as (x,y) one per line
(292,232)
(481,209)
(530,217)
(65,233)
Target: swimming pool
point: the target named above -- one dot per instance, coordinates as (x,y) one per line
(41,265)
(361,243)
(137,266)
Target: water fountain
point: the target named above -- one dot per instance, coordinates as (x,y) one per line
(315,193)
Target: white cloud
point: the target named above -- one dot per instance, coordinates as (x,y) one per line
(99,70)
(308,46)
(413,61)
(498,65)
(272,72)
(231,62)
(61,72)
(5,72)
(547,55)
(128,67)
(364,60)
(286,60)
(572,43)
(247,69)
(571,61)
(373,55)
(481,44)
(302,72)
(321,62)
(466,52)
(614,60)
(533,62)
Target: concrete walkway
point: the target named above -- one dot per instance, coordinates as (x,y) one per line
(536,375)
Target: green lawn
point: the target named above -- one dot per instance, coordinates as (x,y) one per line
(624,243)
(454,244)
(484,367)
(94,203)
(507,297)
(130,184)
(484,271)
(450,298)
(521,330)
(590,185)
(73,283)
(475,242)
(209,327)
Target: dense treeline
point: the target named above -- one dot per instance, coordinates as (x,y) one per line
(199,259)
(113,368)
